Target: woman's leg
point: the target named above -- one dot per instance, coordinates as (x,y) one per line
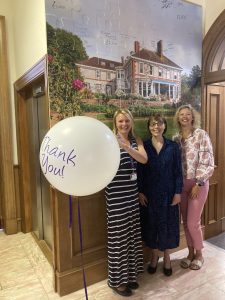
(195,208)
(167,269)
(167,262)
(184,207)
(154,258)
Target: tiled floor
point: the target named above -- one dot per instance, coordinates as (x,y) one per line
(25,274)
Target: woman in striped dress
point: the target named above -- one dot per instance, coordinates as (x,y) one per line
(125,256)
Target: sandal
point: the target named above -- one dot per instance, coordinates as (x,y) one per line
(196,264)
(185,263)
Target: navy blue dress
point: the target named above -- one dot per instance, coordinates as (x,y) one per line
(159,180)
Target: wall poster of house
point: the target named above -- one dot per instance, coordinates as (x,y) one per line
(103,55)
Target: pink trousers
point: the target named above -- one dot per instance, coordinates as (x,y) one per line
(191,210)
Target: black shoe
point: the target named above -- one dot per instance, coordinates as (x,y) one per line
(126,292)
(133,285)
(167,272)
(152,270)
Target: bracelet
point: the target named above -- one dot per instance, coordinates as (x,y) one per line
(200,183)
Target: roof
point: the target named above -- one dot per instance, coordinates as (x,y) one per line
(155,57)
(102,63)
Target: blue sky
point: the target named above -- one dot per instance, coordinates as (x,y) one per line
(108,28)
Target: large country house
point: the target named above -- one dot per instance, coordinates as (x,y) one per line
(143,73)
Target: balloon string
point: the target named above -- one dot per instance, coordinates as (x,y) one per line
(81,238)
(71,212)
(81,249)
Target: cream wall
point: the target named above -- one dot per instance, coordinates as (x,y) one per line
(29,33)
(26,42)
(213,9)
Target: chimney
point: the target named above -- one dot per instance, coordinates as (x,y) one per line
(122,60)
(136,47)
(160,48)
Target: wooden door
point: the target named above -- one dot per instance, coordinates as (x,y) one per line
(32,116)
(214,107)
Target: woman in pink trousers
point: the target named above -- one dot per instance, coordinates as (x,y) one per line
(198,166)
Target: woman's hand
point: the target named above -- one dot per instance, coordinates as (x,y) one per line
(122,142)
(176,199)
(195,191)
(143,199)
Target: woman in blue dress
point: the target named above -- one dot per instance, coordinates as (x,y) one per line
(160,184)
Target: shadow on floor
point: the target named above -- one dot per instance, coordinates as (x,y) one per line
(218,240)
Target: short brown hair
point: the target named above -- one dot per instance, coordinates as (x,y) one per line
(157,117)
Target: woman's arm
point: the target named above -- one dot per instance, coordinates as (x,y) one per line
(205,166)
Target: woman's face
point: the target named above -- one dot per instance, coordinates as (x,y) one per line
(123,124)
(185,117)
(157,128)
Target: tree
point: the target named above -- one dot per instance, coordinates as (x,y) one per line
(191,87)
(194,80)
(64,50)
(68,45)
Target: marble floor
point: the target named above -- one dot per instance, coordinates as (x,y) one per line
(25,274)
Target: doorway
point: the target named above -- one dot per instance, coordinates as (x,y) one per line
(32,124)
(213,115)
(38,126)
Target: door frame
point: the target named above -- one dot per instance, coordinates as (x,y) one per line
(211,43)
(8,207)
(34,75)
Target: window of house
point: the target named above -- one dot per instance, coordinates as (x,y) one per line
(112,65)
(151,70)
(108,90)
(149,87)
(140,88)
(160,72)
(103,63)
(144,92)
(98,88)
(98,74)
(144,88)
(88,85)
(168,74)
(108,75)
(175,75)
(120,74)
(141,68)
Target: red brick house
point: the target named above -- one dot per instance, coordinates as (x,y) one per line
(149,73)
(144,72)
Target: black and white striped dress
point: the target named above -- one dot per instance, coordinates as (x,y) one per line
(125,255)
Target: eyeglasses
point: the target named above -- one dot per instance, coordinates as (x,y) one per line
(153,124)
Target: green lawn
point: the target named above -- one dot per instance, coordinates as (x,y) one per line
(141,127)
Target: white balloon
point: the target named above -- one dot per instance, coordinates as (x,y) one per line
(79,156)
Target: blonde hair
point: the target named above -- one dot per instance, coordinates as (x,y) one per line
(127,114)
(195,117)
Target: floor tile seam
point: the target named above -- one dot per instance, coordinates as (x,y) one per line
(30,256)
(34,266)
(46,293)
